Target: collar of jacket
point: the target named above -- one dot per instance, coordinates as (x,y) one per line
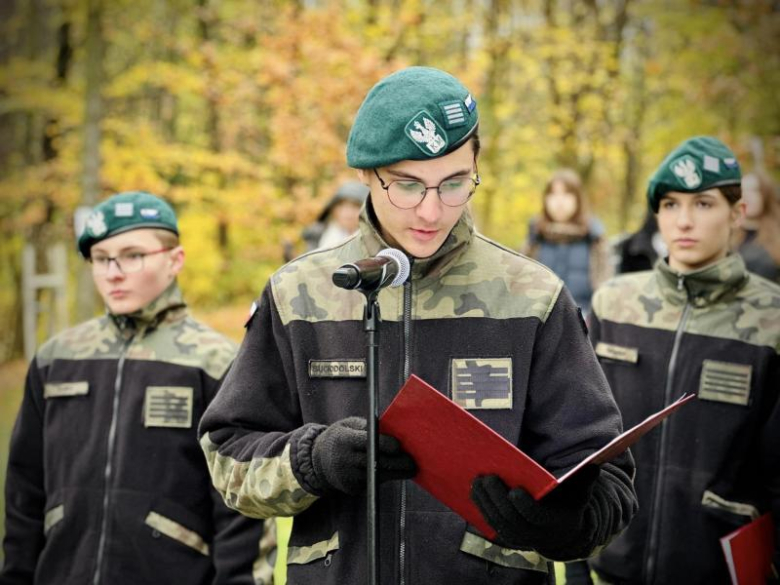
(423,269)
(705,286)
(169,306)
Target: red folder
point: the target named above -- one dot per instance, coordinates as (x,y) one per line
(749,550)
(452,447)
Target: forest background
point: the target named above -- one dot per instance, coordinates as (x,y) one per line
(237,111)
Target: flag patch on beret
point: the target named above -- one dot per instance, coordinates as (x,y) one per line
(149,213)
(470,102)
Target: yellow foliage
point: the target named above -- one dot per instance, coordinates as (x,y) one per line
(244,132)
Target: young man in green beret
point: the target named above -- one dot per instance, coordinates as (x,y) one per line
(697,323)
(106,482)
(474,319)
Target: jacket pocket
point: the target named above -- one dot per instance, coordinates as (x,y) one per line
(302,555)
(177,532)
(617,353)
(735,512)
(53,517)
(506,557)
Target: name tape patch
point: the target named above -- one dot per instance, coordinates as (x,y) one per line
(337,369)
(482,383)
(617,352)
(62,389)
(168,406)
(725,382)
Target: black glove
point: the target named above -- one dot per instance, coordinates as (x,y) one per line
(339,457)
(560,526)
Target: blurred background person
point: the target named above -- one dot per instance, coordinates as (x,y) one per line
(339,219)
(639,250)
(567,239)
(758,241)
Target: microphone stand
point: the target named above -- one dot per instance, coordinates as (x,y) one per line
(371,320)
(369,276)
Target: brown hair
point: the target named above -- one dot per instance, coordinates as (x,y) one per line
(732,193)
(167,238)
(573,184)
(475,142)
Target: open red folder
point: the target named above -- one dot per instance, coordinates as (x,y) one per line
(452,447)
(749,550)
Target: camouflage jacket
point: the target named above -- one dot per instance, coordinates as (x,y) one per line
(473,311)
(715,464)
(106,482)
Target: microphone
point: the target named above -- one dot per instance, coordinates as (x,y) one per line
(388,268)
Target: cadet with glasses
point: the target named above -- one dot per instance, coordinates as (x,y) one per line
(106,482)
(287,433)
(126,262)
(699,322)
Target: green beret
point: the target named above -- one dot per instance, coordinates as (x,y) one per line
(698,164)
(124,212)
(416,113)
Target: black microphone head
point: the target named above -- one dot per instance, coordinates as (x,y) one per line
(347,277)
(403,265)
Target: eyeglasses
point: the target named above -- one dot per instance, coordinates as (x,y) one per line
(126,262)
(453,192)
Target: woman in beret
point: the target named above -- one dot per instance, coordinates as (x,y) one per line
(698,323)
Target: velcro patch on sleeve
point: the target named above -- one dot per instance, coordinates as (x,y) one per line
(168,406)
(337,369)
(482,383)
(725,382)
(620,353)
(63,389)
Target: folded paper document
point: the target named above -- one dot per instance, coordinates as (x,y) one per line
(452,447)
(749,550)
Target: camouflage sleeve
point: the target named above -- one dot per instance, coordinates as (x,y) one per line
(244,548)
(571,413)
(25,498)
(252,433)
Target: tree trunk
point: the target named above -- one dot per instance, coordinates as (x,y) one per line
(93,112)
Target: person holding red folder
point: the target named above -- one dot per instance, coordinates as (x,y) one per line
(495,331)
(698,322)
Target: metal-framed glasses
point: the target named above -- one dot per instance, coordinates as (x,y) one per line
(126,262)
(408,193)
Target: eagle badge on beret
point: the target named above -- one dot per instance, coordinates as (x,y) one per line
(687,172)
(96,224)
(426,135)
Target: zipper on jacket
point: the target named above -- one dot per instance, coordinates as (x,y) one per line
(108,471)
(659,478)
(407,371)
